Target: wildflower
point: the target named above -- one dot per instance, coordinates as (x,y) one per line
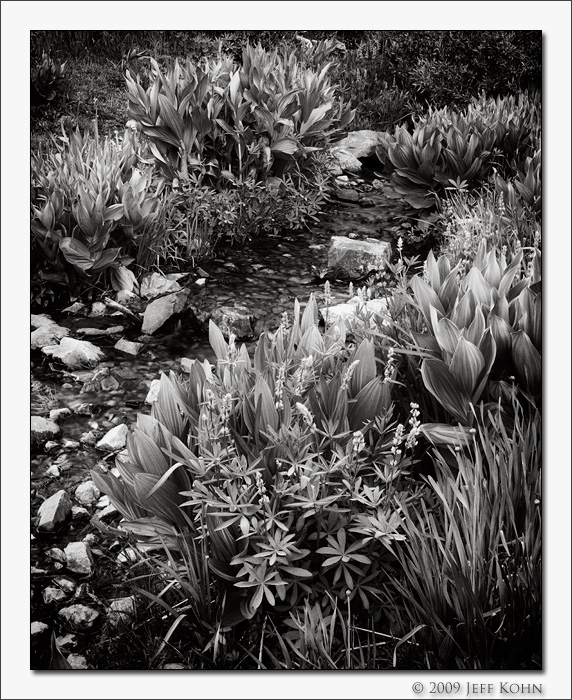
(400,245)
(307,416)
(279,388)
(285,321)
(303,374)
(327,294)
(389,366)
(358,442)
(415,424)
(351,289)
(397,440)
(348,375)
(425,272)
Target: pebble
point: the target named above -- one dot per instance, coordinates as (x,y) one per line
(52,471)
(128,347)
(37,628)
(67,641)
(114,439)
(57,554)
(78,616)
(77,662)
(51,446)
(88,438)
(57,414)
(103,502)
(54,510)
(70,444)
(78,558)
(34,571)
(51,594)
(121,610)
(66,584)
(87,493)
(79,513)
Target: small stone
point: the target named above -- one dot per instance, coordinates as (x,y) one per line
(116,473)
(70,444)
(41,321)
(124,296)
(155,284)
(67,642)
(53,595)
(79,558)
(98,308)
(87,493)
(59,413)
(77,662)
(160,310)
(88,438)
(234,319)
(38,628)
(90,539)
(51,446)
(114,439)
(106,513)
(128,556)
(77,308)
(109,384)
(351,259)
(200,282)
(57,554)
(54,510)
(38,572)
(91,332)
(42,430)
(66,584)
(47,335)
(129,347)
(153,393)
(79,513)
(80,617)
(52,471)
(173,667)
(121,610)
(103,502)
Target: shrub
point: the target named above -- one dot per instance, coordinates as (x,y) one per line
(89,201)
(47,80)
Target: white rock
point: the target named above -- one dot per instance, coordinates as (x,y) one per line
(47,335)
(103,502)
(66,584)
(107,512)
(37,628)
(54,510)
(79,513)
(235,319)
(75,353)
(114,439)
(66,642)
(52,471)
(77,662)
(112,330)
(121,610)
(51,446)
(58,413)
(42,430)
(80,617)
(87,493)
(76,308)
(354,310)
(41,320)
(128,347)
(351,259)
(57,554)
(70,444)
(155,284)
(201,281)
(97,309)
(153,393)
(78,558)
(51,594)
(160,310)
(128,556)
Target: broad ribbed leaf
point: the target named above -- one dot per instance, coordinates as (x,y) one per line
(164,502)
(475,282)
(311,314)
(466,365)
(365,371)
(501,332)
(217,341)
(145,453)
(76,253)
(264,402)
(373,400)
(171,117)
(440,382)
(447,335)
(476,328)
(426,297)
(464,313)
(527,361)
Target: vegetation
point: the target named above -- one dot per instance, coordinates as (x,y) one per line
(353,494)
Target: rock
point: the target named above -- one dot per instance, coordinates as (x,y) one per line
(112,330)
(153,393)
(121,611)
(75,353)
(51,446)
(125,297)
(348,195)
(54,510)
(90,539)
(106,513)
(67,642)
(59,413)
(87,493)
(42,430)
(47,335)
(155,284)
(361,144)
(343,160)
(41,320)
(57,554)
(98,308)
(114,439)
(70,444)
(127,556)
(78,558)
(173,667)
(103,502)
(79,513)
(52,471)
(37,629)
(160,310)
(77,308)
(80,617)
(89,438)
(128,347)
(201,281)
(234,319)
(66,584)
(353,259)
(109,384)
(77,662)
(51,594)
(34,571)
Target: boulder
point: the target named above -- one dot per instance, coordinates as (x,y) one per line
(114,439)
(52,594)
(58,413)
(234,319)
(354,311)
(42,430)
(79,558)
(87,493)
(54,510)
(161,310)
(155,284)
(354,259)
(37,628)
(361,144)
(121,611)
(41,321)
(80,617)
(344,161)
(75,353)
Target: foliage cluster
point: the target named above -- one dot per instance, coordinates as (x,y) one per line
(450,151)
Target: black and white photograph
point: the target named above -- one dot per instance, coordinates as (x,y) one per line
(286,392)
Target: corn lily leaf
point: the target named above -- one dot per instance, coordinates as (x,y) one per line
(476,283)
(426,297)
(311,315)
(444,434)
(466,365)
(447,334)
(164,503)
(527,361)
(501,332)
(464,312)
(265,407)
(365,370)
(372,401)
(217,341)
(440,382)
(76,253)
(474,332)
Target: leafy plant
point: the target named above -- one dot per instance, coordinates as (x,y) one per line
(47,80)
